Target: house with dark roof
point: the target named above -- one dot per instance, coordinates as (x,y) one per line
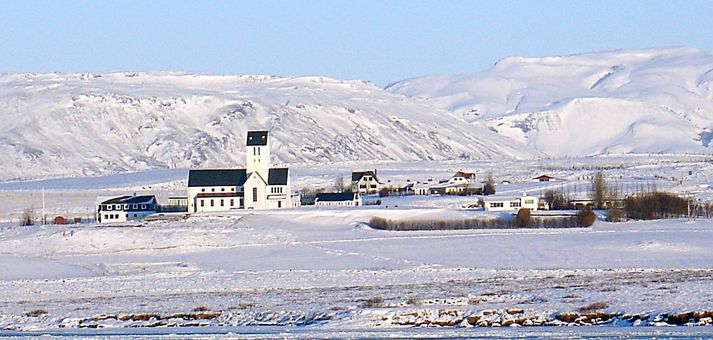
(544,178)
(125,208)
(338,199)
(257,186)
(365,182)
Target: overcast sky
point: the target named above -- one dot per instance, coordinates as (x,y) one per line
(381,41)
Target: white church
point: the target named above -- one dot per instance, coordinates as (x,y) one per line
(258,186)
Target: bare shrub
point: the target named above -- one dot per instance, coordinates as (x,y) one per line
(586,218)
(414,301)
(523,218)
(373,302)
(558,200)
(36,312)
(201,309)
(593,307)
(655,205)
(478,223)
(28,217)
(489,186)
(379,223)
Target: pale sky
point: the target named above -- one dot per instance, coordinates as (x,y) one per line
(380,41)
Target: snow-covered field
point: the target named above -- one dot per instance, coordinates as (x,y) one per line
(325,271)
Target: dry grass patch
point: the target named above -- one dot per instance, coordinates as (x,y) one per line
(594,307)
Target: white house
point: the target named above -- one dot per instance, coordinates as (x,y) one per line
(462,177)
(343,199)
(258,186)
(510,203)
(365,182)
(422,188)
(125,208)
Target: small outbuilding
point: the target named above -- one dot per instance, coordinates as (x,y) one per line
(343,199)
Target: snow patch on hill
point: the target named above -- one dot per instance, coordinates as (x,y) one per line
(649,100)
(88,124)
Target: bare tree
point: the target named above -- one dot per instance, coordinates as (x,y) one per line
(489,186)
(339,183)
(28,217)
(599,190)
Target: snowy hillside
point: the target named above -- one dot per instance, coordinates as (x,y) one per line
(85,124)
(651,100)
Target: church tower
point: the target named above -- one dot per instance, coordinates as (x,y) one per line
(258,153)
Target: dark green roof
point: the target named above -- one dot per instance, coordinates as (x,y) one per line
(334,196)
(144,199)
(216,177)
(277,176)
(256,138)
(357,175)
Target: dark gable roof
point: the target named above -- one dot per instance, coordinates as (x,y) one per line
(277,176)
(357,175)
(216,177)
(257,138)
(464,174)
(145,199)
(334,196)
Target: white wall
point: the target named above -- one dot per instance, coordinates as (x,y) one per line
(193,191)
(203,204)
(513,204)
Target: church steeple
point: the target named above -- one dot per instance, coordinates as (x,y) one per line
(258,153)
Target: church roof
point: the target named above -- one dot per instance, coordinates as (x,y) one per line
(216,177)
(277,176)
(257,138)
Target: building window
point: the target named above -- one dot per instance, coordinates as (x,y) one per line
(222,202)
(279,204)
(202,203)
(514,204)
(496,204)
(202,189)
(254,194)
(212,202)
(529,201)
(108,207)
(222,189)
(232,202)
(258,151)
(212,189)
(232,189)
(143,207)
(135,206)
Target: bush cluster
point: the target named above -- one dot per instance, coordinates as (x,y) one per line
(585,219)
(655,205)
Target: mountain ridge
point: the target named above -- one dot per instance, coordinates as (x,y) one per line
(531,99)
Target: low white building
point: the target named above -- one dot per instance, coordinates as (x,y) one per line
(125,208)
(511,203)
(341,199)
(178,201)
